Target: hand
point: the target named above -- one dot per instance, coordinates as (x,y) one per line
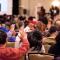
(12,27)
(23,35)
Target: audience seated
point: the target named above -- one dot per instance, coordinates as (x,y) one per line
(41,34)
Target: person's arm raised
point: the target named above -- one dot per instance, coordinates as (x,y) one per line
(25,44)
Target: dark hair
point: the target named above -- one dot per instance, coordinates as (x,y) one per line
(31,18)
(22,18)
(37,35)
(52,29)
(58,38)
(43,19)
(3,37)
(35,38)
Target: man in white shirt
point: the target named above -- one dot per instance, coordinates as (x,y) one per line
(30,27)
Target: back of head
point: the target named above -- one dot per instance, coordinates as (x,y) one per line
(34,38)
(52,29)
(37,35)
(22,18)
(3,37)
(30,18)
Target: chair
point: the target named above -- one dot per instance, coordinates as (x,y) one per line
(40,57)
(23,58)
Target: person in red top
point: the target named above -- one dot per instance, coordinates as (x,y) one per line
(9,53)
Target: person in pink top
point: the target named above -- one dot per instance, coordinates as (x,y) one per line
(9,53)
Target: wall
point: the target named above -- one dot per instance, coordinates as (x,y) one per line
(35,3)
(23,4)
(32,5)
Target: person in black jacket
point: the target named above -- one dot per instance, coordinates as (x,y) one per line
(56,48)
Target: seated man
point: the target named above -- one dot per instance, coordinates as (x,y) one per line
(7,53)
(35,40)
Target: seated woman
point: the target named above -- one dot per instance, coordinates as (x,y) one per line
(56,48)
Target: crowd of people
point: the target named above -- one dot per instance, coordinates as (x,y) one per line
(29,34)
